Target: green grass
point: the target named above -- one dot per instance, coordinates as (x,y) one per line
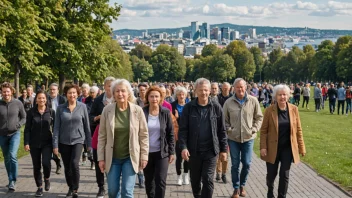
(21,151)
(328,140)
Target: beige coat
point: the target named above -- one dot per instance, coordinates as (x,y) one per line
(269,134)
(139,137)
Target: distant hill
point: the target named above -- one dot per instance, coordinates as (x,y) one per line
(243,29)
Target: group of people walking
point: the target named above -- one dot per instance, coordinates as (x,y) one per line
(130,130)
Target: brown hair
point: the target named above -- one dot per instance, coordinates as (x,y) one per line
(8,85)
(154,88)
(70,86)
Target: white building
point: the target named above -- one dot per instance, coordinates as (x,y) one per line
(193,50)
(253,33)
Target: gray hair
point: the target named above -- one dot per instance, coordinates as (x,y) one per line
(53,84)
(108,79)
(238,80)
(95,89)
(201,81)
(215,83)
(281,87)
(180,89)
(128,86)
(226,83)
(85,85)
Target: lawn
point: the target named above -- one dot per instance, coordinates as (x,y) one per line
(328,140)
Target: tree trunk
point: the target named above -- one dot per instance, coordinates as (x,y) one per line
(17,79)
(62,81)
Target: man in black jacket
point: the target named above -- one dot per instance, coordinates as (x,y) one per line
(202,137)
(332,94)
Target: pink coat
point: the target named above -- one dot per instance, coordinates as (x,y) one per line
(167,105)
(95,138)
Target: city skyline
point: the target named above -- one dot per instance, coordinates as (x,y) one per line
(150,14)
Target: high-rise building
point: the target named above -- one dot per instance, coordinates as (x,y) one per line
(180,34)
(253,33)
(214,33)
(205,31)
(234,35)
(194,28)
(225,33)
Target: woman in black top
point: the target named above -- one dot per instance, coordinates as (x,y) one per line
(38,140)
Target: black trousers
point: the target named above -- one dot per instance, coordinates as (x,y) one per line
(317,103)
(98,174)
(155,174)
(70,156)
(179,161)
(297,99)
(285,157)
(41,157)
(202,169)
(305,100)
(340,103)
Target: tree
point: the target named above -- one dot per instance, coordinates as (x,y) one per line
(209,50)
(294,67)
(258,61)
(142,70)
(220,67)
(142,52)
(344,63)
(307,67)
(324,65)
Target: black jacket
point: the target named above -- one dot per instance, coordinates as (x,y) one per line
(167,139)
(332,93)
(189,127)
(38,130)
(96,109)
(174,109)
(60,99)
(222,99)
(89,102)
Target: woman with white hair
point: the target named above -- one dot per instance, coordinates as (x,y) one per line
(123,143)
(281,140)
(177,108)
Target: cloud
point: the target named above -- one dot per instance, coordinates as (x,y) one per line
(206,9)
(306,6)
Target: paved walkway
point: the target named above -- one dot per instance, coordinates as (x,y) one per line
(304,182)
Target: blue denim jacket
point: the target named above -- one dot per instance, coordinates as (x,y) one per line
(341,94)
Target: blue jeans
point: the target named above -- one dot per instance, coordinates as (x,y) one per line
(121,167)
(240,152)
(9,146)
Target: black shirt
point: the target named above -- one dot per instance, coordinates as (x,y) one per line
(222,99)
(284,129)
(205,137)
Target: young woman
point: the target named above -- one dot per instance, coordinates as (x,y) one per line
(38,140)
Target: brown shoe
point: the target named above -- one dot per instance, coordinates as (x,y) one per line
(235,193)
(242,192)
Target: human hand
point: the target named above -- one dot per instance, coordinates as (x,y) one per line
(143,164)
(171,158)
(102,166)
(26,148)
(263,152)
(56,151)
(96,118)
(185,154)
(176,114)
(303,154)
(223,156)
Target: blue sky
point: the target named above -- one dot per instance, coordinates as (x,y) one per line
(148,14)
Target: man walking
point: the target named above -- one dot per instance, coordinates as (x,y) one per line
(332,94)
(214,92)
(243,119)
(202,137)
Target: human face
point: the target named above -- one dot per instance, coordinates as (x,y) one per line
(181,96)
(203,92)
(24,93)
(107,89)
(6,94)
(72,95)
(154,98)
(240,89)
(225,90)
(214,90)
(163,91)
(93,94)
(85,92)
(142,91)
(41,100)
(281,97)
(54,91)
(30,91)
(121,94)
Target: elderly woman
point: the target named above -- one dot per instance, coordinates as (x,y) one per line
(281,140)
(177,108)
(318,97)
(161,143)
(71,132)
(123,143)
(93,93)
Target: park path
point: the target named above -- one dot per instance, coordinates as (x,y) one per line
(304,183)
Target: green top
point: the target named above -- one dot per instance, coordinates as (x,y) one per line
(121,133)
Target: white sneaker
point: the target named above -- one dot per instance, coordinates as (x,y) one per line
(179,180)
(185,179)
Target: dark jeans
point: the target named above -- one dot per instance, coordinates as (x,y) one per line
(317,103)
(348,105)
(332,104)
(155,174)
(323,103)
(202,169)
(284,156)
(305,100)
(98,174)
(179,161)
(342,104)
(297,99)
(41,156)
(70,156)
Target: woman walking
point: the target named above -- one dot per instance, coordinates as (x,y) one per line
(306,95)
(281,140)
(123,143)
(71,131)
(318,97)
(38,140)
(161,143)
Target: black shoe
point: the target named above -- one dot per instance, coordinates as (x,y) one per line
(69,193)
(74,195)
(101,192)
(47,184)
(270,194)
(223,178)
(217,178)
(39,192)
(58,169)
